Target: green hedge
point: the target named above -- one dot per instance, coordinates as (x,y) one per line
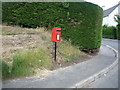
(118,31)
(35,14)
(85,25)
(80,22)
(109,32)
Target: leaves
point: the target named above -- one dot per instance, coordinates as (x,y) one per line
(117,18)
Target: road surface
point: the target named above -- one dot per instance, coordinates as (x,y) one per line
(109,80)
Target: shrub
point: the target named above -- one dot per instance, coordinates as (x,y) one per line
(35,14)
(84,28)
(118,31)
(109,32)
(8,10)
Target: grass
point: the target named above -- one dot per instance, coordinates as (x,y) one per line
(27,60)
(5,70)
(68,51)
(69,58)
(18,30)
(25,63)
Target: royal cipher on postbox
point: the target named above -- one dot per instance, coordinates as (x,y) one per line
(56,33)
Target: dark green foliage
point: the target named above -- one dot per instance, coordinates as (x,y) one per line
(35,14)
(118,31)
(80,22)
(8,11)
(110,32)
(84,28)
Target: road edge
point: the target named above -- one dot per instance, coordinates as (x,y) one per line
(85,82)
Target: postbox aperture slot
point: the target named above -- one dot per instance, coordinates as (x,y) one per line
(58,30)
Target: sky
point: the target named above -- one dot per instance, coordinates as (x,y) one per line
(105,4)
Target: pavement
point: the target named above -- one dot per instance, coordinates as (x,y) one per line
(70,77)
(110,79)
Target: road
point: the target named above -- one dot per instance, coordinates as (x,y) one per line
(109,80)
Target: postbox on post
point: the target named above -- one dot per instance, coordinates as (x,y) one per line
(56,33)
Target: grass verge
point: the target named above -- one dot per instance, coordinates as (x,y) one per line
(18,30)
(35,52)
(25,63)
(5,70)
(68,51)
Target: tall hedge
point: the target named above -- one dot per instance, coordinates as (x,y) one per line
(85,26)
(81,22)
(118,31)
(34,14)
(109,32)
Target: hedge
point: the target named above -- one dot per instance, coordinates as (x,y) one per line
(81,22)
(85,26)
(118,31)
(110,32)
(35,14)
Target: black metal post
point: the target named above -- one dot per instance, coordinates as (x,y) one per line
(55,50)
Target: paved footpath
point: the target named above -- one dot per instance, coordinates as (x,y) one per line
(110,79)
(67,77)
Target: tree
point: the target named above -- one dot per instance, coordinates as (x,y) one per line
(117,19)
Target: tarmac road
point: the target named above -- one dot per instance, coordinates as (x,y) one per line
(109,80)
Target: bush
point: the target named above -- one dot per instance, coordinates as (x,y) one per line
(35,14)
(80,22)
(84,28)
(118,31)
(109,32)
(8,10)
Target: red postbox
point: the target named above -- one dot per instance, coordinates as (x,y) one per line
(56,33)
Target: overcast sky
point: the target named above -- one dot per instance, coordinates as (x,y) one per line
(106,3)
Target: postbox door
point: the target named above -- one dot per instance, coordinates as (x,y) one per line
(58,35)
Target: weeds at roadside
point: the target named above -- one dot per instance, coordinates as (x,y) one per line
(27,59)
(25,63)
(68,51)
(71,57)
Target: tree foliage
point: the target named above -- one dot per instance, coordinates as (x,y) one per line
(117,19)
